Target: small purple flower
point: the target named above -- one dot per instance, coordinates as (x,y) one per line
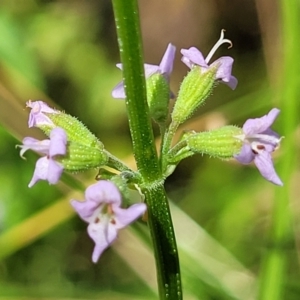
(37,117)
(102,211)
(47,168)
(259,142)
(193,56)
(165,68)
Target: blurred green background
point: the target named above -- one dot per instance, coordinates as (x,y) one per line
(228,219)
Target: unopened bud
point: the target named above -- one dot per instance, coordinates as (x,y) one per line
(221,143)
(194,90)
(158,95)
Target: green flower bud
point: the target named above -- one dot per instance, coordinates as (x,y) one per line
(158,95)
(81,157)
(46,118)
(194,90)
(221,143)
(76,130)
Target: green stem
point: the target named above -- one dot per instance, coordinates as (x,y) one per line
(164,243)
(129,37)
(274,270)
(116,163)
(160,222)
(173,151)
(167,143)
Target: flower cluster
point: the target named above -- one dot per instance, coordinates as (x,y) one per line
(72,147)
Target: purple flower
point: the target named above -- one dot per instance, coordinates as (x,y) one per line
(46,167)
(259,142)
(102,211)
(165,68)
(193,56)
(37,116)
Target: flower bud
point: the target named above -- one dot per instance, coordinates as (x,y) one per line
(76,130)
(194,90)
(81,157)
(46,118)
(221,143)
(158,95)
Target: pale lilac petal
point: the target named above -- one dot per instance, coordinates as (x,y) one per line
(35,145)
(41,171)
(37,116)
(224,65)
(54,171)
(118,91)
(58,142)
(272,133)
(224,71)
(103,192)
(264,163)
(119,66)
(246,155)
(40,106)
(127,216)
(232,83)
(85,209)
(166,64)
(150,70)
(259,125)
(193,56)
(46,169)
(103,234)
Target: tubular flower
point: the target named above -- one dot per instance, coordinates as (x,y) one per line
(101,210)
(259,141)
(47,168)
(165,68)
(223,65)
(37,116)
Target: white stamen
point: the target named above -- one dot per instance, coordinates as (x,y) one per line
(265,138)
(217,45)
(258,139)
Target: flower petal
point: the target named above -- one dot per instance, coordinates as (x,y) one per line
(246,155)
(264,163)
(103,192)
(40,172)
(224,71)
(54,171)
(103,234)
(118,91)
(193,56)
(58,142)
(259,125)
(35,145)
(123,217)
(166,64)
(37,116)
(46,169)
(86,209)
(150,70)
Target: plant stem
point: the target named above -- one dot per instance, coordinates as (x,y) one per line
(160,222)
(167,143)
(164,243)
(116,163)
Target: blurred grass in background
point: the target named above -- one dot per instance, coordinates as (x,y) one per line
(64,52)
